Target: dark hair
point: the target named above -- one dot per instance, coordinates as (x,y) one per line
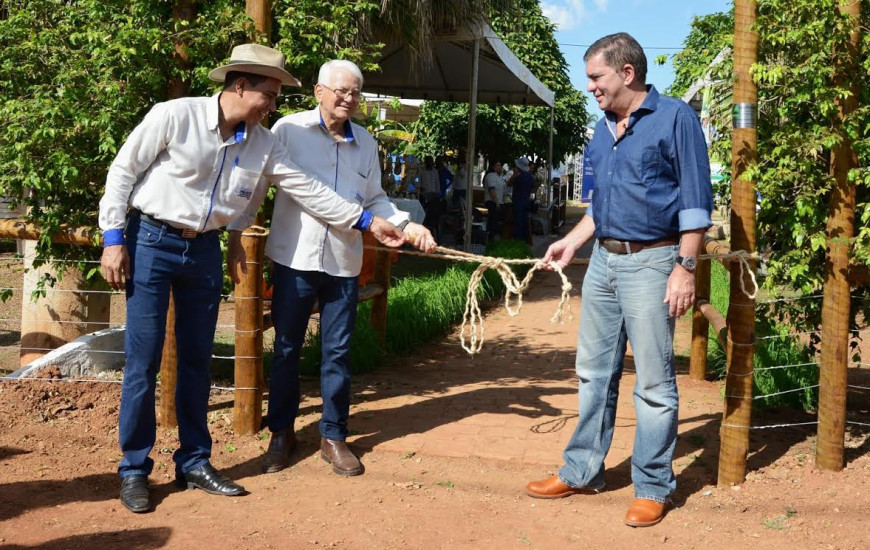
(492,164)
(620,49)
(253,79)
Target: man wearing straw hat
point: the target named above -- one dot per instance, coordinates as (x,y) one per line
(651,207)
(322,264)
(192,166)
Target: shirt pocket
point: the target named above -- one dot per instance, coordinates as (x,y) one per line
(649,165)
(241,186)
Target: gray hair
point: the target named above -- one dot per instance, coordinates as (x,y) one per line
(620,49)
(328,69)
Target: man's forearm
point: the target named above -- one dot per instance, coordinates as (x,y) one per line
(691,241)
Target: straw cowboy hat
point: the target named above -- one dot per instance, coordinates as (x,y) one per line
(256,59)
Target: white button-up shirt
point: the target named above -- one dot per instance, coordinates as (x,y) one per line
(176,167)
(351,168)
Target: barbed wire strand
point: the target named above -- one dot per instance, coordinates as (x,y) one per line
(769,395)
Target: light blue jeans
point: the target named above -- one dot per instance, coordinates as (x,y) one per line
(623,302)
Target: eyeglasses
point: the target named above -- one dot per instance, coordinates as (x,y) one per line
(341,93)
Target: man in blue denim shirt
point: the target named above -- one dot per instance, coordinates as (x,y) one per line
(650,209)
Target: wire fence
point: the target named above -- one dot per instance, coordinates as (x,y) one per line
(10,321)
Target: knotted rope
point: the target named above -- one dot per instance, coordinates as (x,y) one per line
(472,318)
(743,257)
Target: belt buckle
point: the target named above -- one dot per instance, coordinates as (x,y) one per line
(188,233)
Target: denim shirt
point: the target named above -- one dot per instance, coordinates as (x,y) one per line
(654,181)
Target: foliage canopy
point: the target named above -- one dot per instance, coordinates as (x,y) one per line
(799,41)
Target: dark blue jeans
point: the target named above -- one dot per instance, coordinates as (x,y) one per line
(521,219)
(292,301)
(193,269)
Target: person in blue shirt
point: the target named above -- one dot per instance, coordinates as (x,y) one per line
(522,183)
(445,176)
(650,209)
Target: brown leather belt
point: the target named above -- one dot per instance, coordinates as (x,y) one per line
(631,247)
(183,233)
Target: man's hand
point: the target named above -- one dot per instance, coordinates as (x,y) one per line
(236,260)
(115,264)
(420,237)
(561,252)
(680,294)
(387,233)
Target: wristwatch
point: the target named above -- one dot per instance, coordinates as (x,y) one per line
(403,225)
(688,263)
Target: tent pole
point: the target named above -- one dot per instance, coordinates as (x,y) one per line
(550,163)
(472,130)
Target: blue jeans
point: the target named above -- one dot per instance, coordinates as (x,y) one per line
(521,219)
(193,269)
(292,301)
(623,301)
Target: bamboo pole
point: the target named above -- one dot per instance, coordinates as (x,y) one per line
(169,371)
(836,303)
(378,320)
(248,405)
(700,325)
(734,444)
(20,229)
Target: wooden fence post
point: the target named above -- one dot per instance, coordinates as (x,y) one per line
(734,444)
(378,320)
(836,305)
(169,371)
(248,405)
(260,12)
(182,10)
(700,325)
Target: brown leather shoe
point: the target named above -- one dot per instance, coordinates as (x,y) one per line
(644,512)
(552,487)
(343,461)
(277,456)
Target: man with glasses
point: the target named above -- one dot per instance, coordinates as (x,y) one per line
(192,166)
(650,209)
(318,263)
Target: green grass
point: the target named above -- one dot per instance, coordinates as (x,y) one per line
(773,352)
(422,305)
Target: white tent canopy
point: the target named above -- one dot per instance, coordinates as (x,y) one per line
(470,65)
(502,77)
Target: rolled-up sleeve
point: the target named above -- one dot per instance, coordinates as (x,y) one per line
(693,173)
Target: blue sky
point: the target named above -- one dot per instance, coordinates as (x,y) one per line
(654,23)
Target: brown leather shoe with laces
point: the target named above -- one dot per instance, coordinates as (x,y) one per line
(644,513)
(343,461)
(277,456)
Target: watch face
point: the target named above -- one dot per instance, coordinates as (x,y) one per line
(689,263)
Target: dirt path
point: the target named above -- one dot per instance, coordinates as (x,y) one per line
(448,442)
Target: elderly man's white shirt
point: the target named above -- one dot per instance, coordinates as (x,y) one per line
(175,166)
(351,168)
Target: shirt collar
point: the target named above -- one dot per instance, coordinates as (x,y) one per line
(650,103)
(212,113)
(348,128)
